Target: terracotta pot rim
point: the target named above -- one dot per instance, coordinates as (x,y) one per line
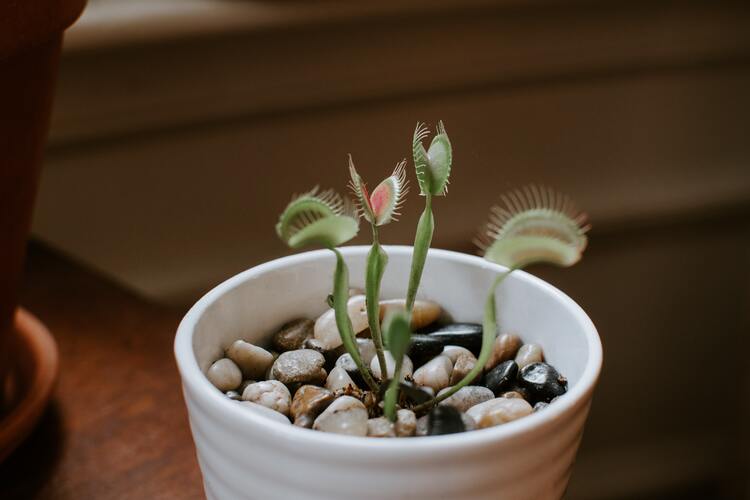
(36,343)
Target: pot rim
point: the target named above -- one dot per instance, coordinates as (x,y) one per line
(198,385)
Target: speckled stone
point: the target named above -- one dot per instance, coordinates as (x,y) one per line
(380,427)
(346,415)
(436,373)
(325,329)
(225,375)
(461,368)
(292,335)
(269,393)
(302,366)
(252,360)
(455,351)
(498,411)
(309,401)
(265,412)
(466,397)
(406,423)
(504,348)
(529,353)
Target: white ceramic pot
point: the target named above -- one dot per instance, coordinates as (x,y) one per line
(246,455)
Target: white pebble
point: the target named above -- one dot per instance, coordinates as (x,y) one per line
(302,365)
(466,397)
(252,360)
(499,411)
(407,367)
(339,379)
(436,373)
(225,375)
(265,412)
(454,351)
(423,313)
(406,423)
(269,393)
(529,353)
(346,415)
(326,331)
(380,427)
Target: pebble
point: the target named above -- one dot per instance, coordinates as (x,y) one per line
(498,411)
(266,412)
(454,352)
(233,395)
(380,427)
(422,424)
(346,415)
(406,423)
(469,422)
(346,362)
(463,365)
(502,377)
(444,420)
(252,360)
(512,394)
(309,401)
(225,375)
(466,335)
(293,334)
(504,348)
(269,393)
(325,329)
(466,397)
(339,379)
(303,365)
(542,382)
(422,348)
(407,367)
(436,373)
(366,349)
(409,393)
(424,312)
(540,406)
(529,353)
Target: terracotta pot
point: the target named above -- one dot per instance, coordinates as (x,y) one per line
(30,41)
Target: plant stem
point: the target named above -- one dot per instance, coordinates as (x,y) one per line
(377,259)
(343,322)
(391,394)
(422,240)
(489,332)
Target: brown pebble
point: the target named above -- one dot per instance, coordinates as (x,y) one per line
(293,334)
(505,347)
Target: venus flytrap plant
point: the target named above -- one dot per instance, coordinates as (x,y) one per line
(326,219)
(531,226)
(378,209)
(433,168)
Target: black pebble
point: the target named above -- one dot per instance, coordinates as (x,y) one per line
(502,378)
(542,382)
(409,393)
(444,419)
(468,335)
(423,348)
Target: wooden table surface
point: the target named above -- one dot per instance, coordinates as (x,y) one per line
(117,425)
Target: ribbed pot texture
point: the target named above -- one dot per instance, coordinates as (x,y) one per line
(243,455)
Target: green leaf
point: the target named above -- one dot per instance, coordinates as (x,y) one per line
(327,232)
(397,333)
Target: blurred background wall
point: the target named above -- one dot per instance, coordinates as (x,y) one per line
(181,128)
